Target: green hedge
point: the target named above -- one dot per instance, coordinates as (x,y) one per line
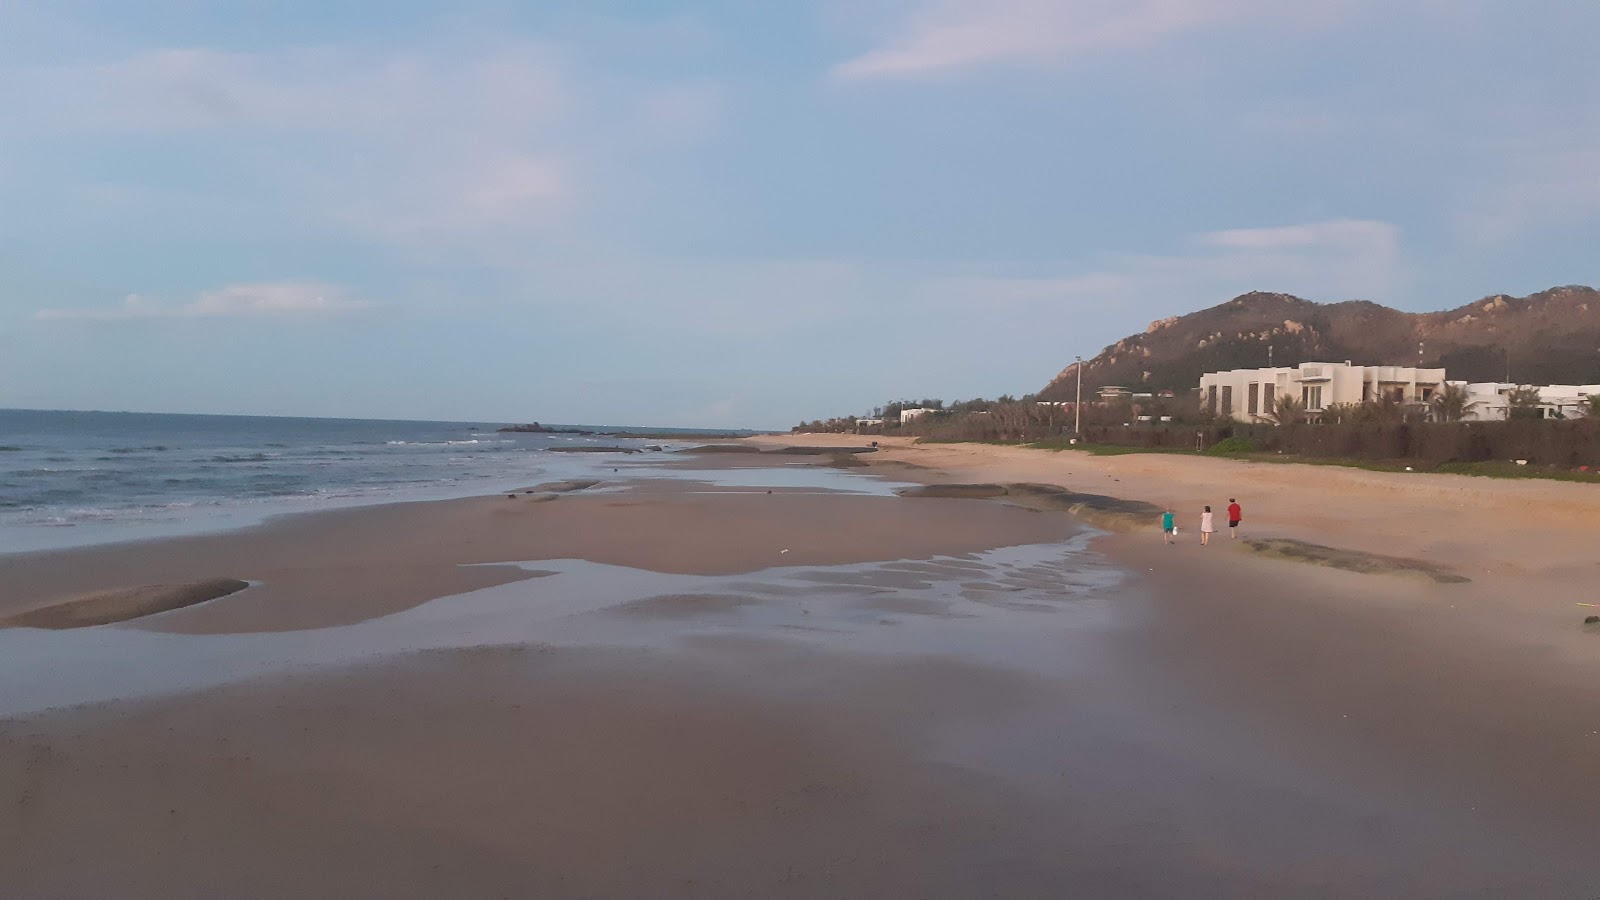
(1230,446)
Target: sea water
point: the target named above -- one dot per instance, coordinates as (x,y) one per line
(76,478)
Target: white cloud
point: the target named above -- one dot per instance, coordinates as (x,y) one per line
(265,300)
(443,200)
(945,35)
(1022,290)
(682,113)
(762,299)
(441,147)
(1548,180)
(1333,260)
(192,89)
(721,299)
(1340,234)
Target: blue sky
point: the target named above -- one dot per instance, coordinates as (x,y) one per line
(742,214)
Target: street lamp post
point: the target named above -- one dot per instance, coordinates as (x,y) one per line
(1077,405)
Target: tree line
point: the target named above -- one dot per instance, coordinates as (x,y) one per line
(1007,418)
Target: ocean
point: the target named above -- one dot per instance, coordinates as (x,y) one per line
(75,478)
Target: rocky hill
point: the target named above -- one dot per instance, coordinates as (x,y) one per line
(1552,337)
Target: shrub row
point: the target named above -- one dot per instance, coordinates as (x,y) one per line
(1570,443)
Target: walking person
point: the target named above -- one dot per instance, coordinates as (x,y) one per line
(1169,527)
(1206,526)
(1235,516)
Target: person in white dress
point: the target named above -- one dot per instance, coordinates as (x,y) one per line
(1206,526)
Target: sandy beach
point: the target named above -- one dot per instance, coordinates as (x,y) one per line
(754,675)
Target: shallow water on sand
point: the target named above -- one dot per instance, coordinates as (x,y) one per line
(986,605)
(1029,671)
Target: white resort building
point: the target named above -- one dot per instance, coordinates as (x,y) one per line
(1249,395)
(1489,401)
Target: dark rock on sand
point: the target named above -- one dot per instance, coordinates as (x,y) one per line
(563,487)
(722,448)
(122,604)
(1110,513)
(780,451)
(1591,620)
(822,451)
(956,491)
(1350,560)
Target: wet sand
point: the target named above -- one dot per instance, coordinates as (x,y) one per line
(1527,545)
(890,709)
(348,566)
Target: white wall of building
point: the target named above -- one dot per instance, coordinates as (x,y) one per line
(1248,395)
(1569,400)
(1487,400)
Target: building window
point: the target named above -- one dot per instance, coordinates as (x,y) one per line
(1311,394)
(1227,399)
(1253,398)
(1211,399)
(1266,397)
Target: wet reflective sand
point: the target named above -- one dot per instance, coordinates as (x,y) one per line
(1026,717)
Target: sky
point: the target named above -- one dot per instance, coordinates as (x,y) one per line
(740,214)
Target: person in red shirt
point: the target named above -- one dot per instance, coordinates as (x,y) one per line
(1235,515)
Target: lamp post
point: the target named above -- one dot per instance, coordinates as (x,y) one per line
(1077,405)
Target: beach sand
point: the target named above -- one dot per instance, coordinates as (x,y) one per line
(892,708)
(348,566)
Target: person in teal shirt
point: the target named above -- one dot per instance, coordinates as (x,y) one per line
(1168,527)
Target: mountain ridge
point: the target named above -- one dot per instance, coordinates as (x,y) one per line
(1549,337)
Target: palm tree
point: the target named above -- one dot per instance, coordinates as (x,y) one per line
(1288,410)
(1523,403)
(1343,412)
(1385,409)
(1451,403)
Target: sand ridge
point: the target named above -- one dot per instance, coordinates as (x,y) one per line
(121,604)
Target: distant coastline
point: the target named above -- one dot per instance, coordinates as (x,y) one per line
(536,428)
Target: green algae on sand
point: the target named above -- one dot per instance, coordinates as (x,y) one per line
(1350,560)
(1109,513)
